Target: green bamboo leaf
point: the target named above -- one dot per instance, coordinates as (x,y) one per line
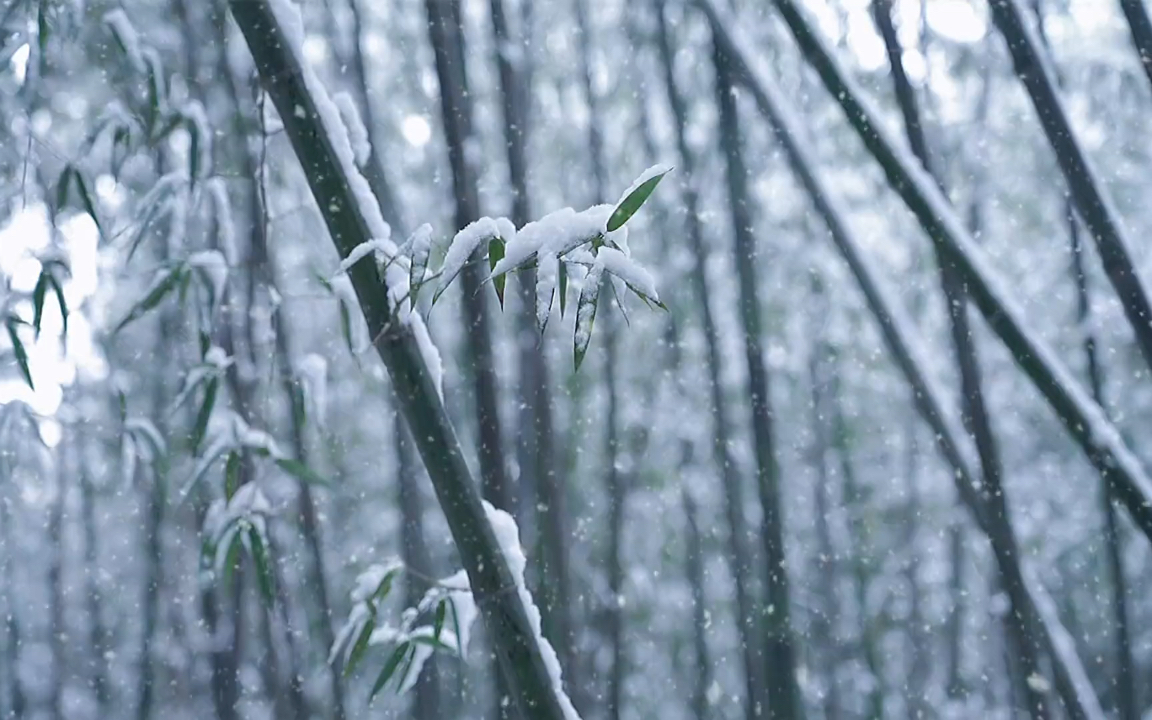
(432,642)
(193,150)
(264,576)
(86,200)
(301,472)
(231,560)
(155,92)
(155,295)
(586,313)
(231,475)
(385,585)
(18,348)
(438,623)
(346,326)
(407,666)
(200,428)
(42,29)
(62,187)
(495,255)
(456,627)
(420,246)
(38,301)
(360,646)
(563,281)
(141,231)
(58,291)
(628,206)
(389,669)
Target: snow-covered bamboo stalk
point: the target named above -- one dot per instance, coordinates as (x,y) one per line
(1084,186)
(348,212)
(900,338)
(1084,420)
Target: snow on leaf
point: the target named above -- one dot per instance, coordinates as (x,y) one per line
(361,251)
(624,267)
(312,369)
(357,133)
(126,37)
(463,245)
(636,195)
(586,312)
(419,246)
(547,277)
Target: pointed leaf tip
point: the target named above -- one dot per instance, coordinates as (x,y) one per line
(636,196)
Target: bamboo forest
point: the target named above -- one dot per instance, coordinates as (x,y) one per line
(575,359)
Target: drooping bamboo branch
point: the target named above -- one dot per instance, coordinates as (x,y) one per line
(346,214)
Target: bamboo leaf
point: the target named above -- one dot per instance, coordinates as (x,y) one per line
(420,247)
(389,669)
(18,348)
(86,200)
(200,428)
(385,585)
(586,313)
(433,643)
(301,472)
(42,29)
(346,326)
(360,646)
(62,187)
(563,288)
(58,291)
(456,627)
(495,255)
(438,623)
(231,561)
(231,475)
(155,295)
(628,206)
(38,302)
(263,564)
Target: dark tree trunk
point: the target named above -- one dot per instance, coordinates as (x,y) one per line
(93,598)
(57,627)
(1033,609)
(614,483)
(446,36)
(862,554)
(1141,28)
(1081,417)
(974,413)
(16,701)
(1084,186)
(539,477)
(738,553)
(347,219)
(426,702)
(1127,704)
(779,671)
(826,641)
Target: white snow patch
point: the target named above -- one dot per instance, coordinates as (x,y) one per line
(357,133)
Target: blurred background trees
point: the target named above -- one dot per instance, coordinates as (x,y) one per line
(881,457)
